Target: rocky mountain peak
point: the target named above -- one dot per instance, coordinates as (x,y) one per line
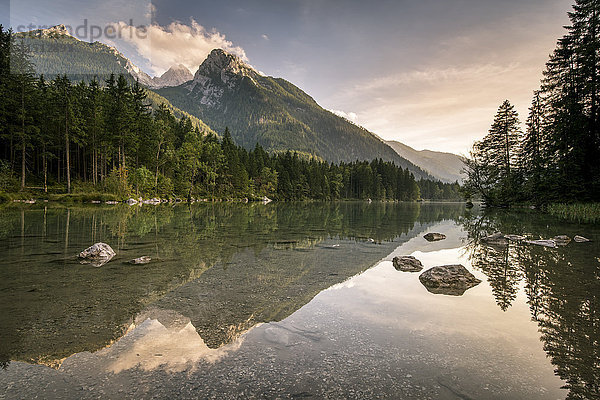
(174,76)
(56,30)
(220,63)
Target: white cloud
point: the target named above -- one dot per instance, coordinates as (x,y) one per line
(177,43)
(350,116)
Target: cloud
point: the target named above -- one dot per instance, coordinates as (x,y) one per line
(441,108)
(176,43)
(438,75)
(350,116)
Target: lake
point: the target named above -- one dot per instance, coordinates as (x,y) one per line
(293,300)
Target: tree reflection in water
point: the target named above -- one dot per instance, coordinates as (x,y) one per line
(562,286)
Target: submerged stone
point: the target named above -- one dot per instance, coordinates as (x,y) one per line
(407,264)
(140,260)
(495,239)
(581,239)
(97,254)
(434,236)
(514,238)
(562,240)
(546,243)
(451,280)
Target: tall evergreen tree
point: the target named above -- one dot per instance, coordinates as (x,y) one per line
(570,91)
(492,170)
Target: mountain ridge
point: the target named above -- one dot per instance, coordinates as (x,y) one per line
(227,92)
(445,166)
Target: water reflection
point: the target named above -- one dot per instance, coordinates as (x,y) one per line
(562,287)
(226,267)
(162,339)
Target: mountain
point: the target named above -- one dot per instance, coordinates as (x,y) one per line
(444,166)
(56,52)
(175,76)
(226,92)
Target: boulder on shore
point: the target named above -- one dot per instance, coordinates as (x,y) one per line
(451,280)
(97,254)
(434,236)
(407,264)
(153,201)
(580,239)
(140,260)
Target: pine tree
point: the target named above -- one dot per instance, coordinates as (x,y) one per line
(532,151)
(22,82)
(570,93)
(493,171)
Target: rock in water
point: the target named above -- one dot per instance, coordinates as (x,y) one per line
(452,280)
(514,238)
(545,243)
(496,239)
(97,254)
(140,260)
(432,237)
(581,239)
(562,240)
(407,264)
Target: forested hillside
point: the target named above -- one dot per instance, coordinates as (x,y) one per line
(274,113)
(104,137)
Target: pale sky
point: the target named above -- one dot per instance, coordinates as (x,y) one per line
(428,73)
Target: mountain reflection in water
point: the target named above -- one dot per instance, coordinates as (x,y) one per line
(254,300)
(222,263)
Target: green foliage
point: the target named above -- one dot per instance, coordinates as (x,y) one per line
(165,186)
(557,158)
(492,168)
(116,182)
(586,213)
(85,197)
(90,136)
(8,181)
(142,181)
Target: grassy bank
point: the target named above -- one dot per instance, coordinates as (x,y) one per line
(583,213)
(64,198)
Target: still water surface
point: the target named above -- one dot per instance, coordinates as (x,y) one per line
(293,300)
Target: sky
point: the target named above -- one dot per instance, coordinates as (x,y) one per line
(428,73)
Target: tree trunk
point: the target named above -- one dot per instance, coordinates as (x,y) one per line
(45,167)
(156,175)
(23,166)
(67,159)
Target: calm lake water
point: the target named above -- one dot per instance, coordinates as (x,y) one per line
(291,301)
